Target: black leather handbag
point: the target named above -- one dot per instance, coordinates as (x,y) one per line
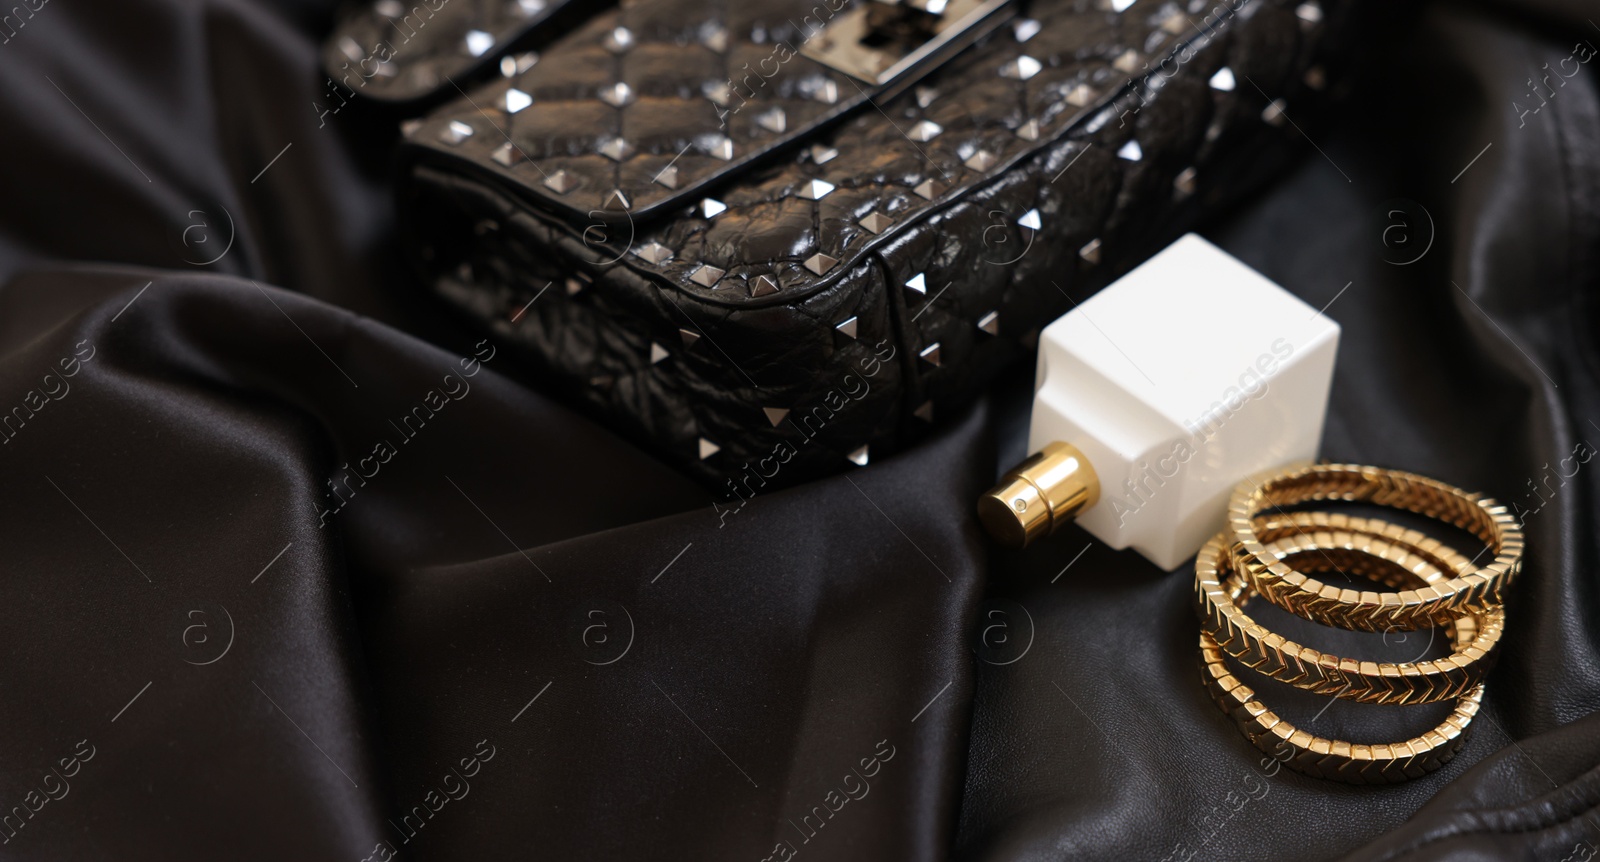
(771,239)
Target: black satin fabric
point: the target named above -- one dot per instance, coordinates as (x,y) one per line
(503,633)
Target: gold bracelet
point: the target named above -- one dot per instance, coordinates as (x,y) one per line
(1353,762)
(1433,605)
(1221,593)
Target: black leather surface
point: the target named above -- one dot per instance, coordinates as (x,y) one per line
(771,654)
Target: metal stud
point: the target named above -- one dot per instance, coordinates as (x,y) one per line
(712,207)
(925,131)
(512,65)
(389,8)
(774,121)
(714,36)
(763,285)
(477,43)
(717,91)
(776,415)
(1223,80)
(919,283)
(619,40)
(827,92)
(516,100)
(689,337)
(1309,13)
(654,252)
(668,178)
(815,190)
(990,323)
(1119,5)
(618,201)
(719,147)
(617,95)
(1316,77)
(1131,151)
(409,127)
(707,275)
(1029,131)
(1127,61)
(505,154)
(575,286)
(981,160)
(455,132)
(820,263)
(876,222)
(925,412)
(1183,183)
(1273,114)
(847,328)
(1080,96)
(616,149)
(1175,22)
(930,354)
(858,457)
(1025,29)
(1090,251)
(925,190)
(708,448)
(926,96)
(1021,69)
(821,155)
(657,353)
(1031,220)
(529,8)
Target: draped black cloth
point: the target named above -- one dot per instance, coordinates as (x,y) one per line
(292,566)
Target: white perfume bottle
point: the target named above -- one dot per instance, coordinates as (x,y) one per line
(1158,395)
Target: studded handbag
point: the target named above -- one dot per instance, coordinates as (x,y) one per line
(770,239)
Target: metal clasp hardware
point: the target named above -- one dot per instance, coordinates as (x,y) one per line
(879,40)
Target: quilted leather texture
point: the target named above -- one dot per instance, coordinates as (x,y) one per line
(837,321)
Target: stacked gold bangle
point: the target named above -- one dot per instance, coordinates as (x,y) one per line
(1273,554)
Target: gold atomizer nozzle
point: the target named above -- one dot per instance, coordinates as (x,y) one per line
(1037,496)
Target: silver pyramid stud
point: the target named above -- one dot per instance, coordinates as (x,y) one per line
(981,160)
(654,252)
(1031,220)
(516,100)
(1183,183)
(718,147)
(1309,13)
(1029,131)
(847,328)
(1021,69)
(689,337)
(815,190)
(820,263)
(776,415)
(1176,22)
(1131,151)
(617,200)
(1119,5)
(455,132)
(925,190)
(711,207)
(717,91)
(930,354)
(763,285)
(774,121)
(821,155)
(505,154)
(1127,61)
(1090,251)
(668,178)
(1273,114)
(708,448)
(1223,80)
(876,222)
(657,353)
(512,65)
(990,323)
(858,457)
(528,8)
(715,37)
(389,8)
(574,286)
(925,412)
(707,275)
(925,131)
(1025,29)
(919,283)
(926,96)
(619,40)
(477,43)
(1080,96)
(409,127)
(617,95)
(827,93)
(616,149)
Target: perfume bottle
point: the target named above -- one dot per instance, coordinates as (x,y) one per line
(1158,395)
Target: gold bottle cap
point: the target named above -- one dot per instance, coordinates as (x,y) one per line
(1035,498)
